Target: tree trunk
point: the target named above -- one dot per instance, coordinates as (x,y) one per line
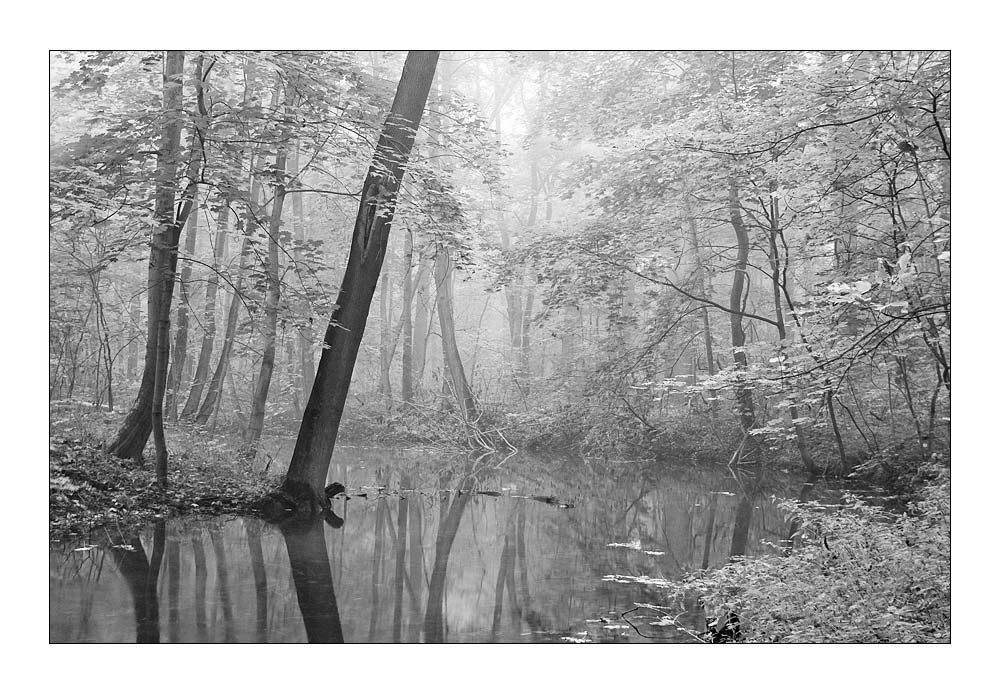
(744,393)
(134,432)
(385,332)
(317,436)
(306,337)
(132,365)
(176,373)
(525,369)
(208,319)
(704,288)
(406,319)
(449,346)
(271,300)
(422,319)
(214,394)
(775,262)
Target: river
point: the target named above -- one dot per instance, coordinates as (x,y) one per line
(430,547)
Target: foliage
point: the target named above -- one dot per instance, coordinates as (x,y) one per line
(857,574)
(583,198)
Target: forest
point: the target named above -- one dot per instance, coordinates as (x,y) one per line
(669,330)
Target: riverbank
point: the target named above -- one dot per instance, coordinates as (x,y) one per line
(90,490)
(856,574)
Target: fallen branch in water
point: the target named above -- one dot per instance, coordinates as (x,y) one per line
(666,617)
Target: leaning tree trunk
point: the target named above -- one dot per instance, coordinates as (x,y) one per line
(307,471)
(139,422)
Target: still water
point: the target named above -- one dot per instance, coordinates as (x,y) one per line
(432,548)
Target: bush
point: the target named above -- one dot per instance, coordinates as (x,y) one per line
(856,575)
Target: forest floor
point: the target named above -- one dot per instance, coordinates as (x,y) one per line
(89,489)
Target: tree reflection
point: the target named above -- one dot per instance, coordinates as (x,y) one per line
(173,588)
(222,577)
(200,584)
(402,514)
(313,581)
(434,623)
(416,581)
(259,579)
(805,494)
(749,483)
(380,513)
(141,576)
(706,553)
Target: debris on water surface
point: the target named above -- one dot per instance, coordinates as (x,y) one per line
(632,544)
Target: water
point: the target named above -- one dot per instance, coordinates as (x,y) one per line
(557,549)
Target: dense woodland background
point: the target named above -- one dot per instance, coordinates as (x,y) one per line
(637,253)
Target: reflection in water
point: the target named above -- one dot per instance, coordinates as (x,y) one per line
(453,550)
(435,628)
(173,588)
(141,575)
(397,610)
(200,583)
(259,581)
(313,582)
(222,573)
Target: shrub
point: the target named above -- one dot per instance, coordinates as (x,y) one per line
(856,575)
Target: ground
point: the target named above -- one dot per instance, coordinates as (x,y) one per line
(88,489)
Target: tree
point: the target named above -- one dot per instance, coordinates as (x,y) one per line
(306,476)
(147,411)
(272,296)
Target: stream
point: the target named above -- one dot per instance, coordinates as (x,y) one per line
(431,548)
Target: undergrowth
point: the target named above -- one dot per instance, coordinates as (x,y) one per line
(857,574)
(90,490)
